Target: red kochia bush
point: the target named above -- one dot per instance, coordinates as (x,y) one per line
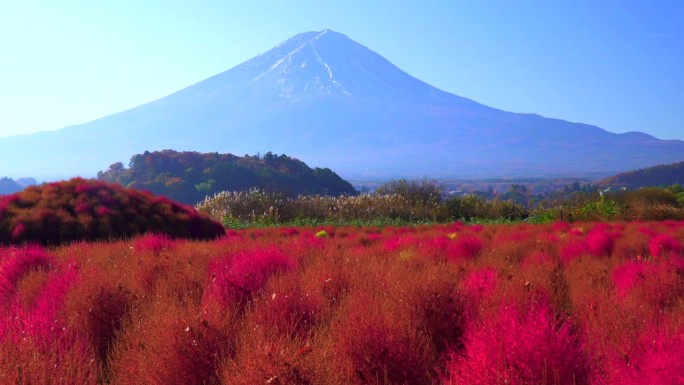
(80,209)
(15,263)
(465,247)
(571,251)
(519,346)
(480,283)
(237,278)
(376,347)
(662,245)
(656,282)
(155,243)
(600,242)
(656,358)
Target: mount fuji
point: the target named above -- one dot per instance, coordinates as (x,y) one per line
(331,102)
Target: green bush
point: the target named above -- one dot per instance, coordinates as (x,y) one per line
(424,190)
(471,206)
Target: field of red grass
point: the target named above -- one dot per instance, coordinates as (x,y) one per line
(582,303)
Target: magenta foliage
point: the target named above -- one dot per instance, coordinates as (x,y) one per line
(400,242)
(572,251)
(236,278)
(289,232)
(17,262)
(657,358)
(663,244)
(519,346)
(577,231)
(82,208)
(18,231)
(154,242)
(647,231)
(480,283)
(103,211)
(515,236)
(465,247)
(5,201)
(43,322)
(537,258)
(436,247)
(560,227)
(600,242)
(290,311)
(197,351)
(656,282)
(627,275)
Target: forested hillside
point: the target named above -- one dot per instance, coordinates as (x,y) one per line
(662,175)
(190,176)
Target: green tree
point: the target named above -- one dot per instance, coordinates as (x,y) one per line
(423,190)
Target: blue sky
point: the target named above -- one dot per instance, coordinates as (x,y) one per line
(615,64)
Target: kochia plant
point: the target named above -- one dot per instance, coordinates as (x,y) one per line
(520,346)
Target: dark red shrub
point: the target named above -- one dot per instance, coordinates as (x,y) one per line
(235,278)
(289,232)
(107,309)
(80,209)
(480,284)
(286,309)
(197,349)
(382,348)
(465,247)
(560,227)
(441,312)
(400,242)
(153,242)
(169,345)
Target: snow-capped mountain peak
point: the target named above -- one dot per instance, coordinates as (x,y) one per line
(330,101)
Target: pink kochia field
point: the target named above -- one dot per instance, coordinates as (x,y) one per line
(582,303)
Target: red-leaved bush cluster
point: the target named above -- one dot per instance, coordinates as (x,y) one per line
(86,210)
(587,303)
(520,346)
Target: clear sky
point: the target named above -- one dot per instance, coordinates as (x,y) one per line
(615,64)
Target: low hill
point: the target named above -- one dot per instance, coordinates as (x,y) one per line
(189,177)
(9,186)
(80,209)
(662,175)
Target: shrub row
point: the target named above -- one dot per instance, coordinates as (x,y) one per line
(258,206)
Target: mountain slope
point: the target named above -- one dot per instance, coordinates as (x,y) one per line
(332,102)
(661,175)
